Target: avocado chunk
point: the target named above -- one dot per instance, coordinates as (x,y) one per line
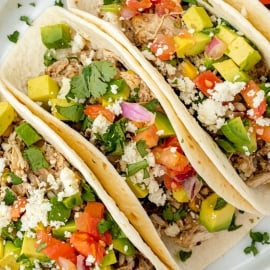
(139,190)
(243,54)
(29,248)
(27,134)
(42,88)
(73,200)
(56,36)
(191,45)
(1,248)
(163,123)
(197,18)
(180,195)
(226,34)
(60,102)
(242,138)
(109,259)
(124,246)
(61,231)
(215,220)
(7,115)
(230,71)
(11,253)
(118,89)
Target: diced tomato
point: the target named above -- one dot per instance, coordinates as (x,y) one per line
(127,13)
(149,135)
(86,223)
(205,81)
(95,209)
(170,158)
(106,238)
(265,2)
(86,245)
(170,183)
(167,6)
(173,141)
(163,46)
(55,248)
(263,132)
(186,173)
(139,5)
(255,99)
(94,110)
(18,208)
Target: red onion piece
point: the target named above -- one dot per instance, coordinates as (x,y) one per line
(127,13)
(136,112)
(81,263)
(215,49)
(192,186)
(185,175)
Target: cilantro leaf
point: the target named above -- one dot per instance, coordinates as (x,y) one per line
(14,36)
(26,19)
(184,255)
(15,180)
(58,3)
(220,203)
(9,197)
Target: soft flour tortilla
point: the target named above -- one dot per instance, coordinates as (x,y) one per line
(77,163)
(255,12)
(259,197)
(26,61)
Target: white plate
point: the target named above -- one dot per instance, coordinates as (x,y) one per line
(235,259)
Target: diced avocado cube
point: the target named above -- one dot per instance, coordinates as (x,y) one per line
(62,103)
(27,134)
(230,71)
(243,54)
(226,34)
(139,190)
(29,248)
(197,18)
(11,253)
(226,145)
(124,246)
(109,259)
(60,232)
(215,220)
(182,45)
(42,88)
(73,200)
(7,115)
(180,195)
(200,42)
(56,36)
(163,124)
(1,248)
(35,158)
(118,89)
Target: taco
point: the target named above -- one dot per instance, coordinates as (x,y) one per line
(106,107)
(54,212)
(194,48)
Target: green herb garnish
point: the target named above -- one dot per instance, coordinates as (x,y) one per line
(133,168)
(170,215)
(88,194)
(58,3)
(14,36)
(33,4)
(15,180)
(9,197)
(26,19)
(184,255)
(19,5)
(233,226)
(256,237)
(220,203)
(74,113)
(141,147)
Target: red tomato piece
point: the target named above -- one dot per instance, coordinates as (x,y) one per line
(18,208)
(255,99)
(106,238)
(94,110)
(265,2)
(205,81)
(55,248)
(263,132)
(149,135)
(170,158)
(139,5)
(163,46)
(95,209)
(170,183)
(167,6)
(173,141)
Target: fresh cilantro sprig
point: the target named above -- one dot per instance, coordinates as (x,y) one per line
(220,203)
(256,237)
(59,3)
(184,255)
(26,19)
(14,36)
(170,215)
(93,81)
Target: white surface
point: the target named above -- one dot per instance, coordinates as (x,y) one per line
(235,259)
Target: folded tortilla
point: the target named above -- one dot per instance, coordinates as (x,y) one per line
(255,12)
(258,196)
(65,159)
(26,62)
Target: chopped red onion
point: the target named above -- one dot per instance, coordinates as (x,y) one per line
(192,186)
(215,49)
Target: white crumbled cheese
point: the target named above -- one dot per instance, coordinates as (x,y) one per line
(64,88)
(87,59)
(246,150)
(77,43)
(69,182)
(114,89)
(67,234)
(90,260)
(160,132)
(54,185)
(5,217)
(115,107)
(173,149)
(36,210)
(100,126)
(211,113)
(262,121)
(172,230)
(156,194)
(226,91)
(56,224)
(130,127)
(259,97)
(2,165)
